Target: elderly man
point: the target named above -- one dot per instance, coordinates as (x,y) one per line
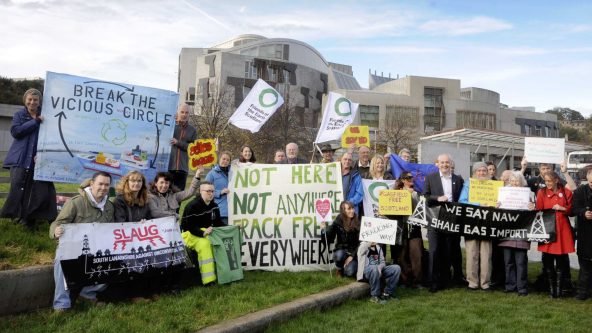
(442,186)
(362,165)
(90,206)
(405,154)
(184,135)
(279,157)
(292,154)
(351,182)
(327,151)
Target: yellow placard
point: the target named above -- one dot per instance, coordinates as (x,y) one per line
(484,192)
(202,153)
(355,135)
(394,202)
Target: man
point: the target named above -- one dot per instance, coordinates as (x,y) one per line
(327,151)
(537,183)
(279,157)
(292,154)
(183,136)
(199,218)
(582,209)
(362,165)
(405,154)
(442,186)
(90,206)
(352,182)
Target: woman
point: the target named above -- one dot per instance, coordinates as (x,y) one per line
(247,155)
(516,251)
(131,202)
(28,199)
(412,248)
(478,250)
(377,169)
(165,199)
(219,177)
(347,229)
(555,254)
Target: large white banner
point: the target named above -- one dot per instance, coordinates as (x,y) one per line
(275,206)
(110,252)
(93,125)
(371,190)
(338,114)
(544,150)
(259,105)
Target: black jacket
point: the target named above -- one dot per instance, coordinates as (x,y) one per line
(198,215)
(582,201)
(433,187)
(348,241)
(125,213)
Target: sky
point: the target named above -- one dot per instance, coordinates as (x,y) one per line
(533,53)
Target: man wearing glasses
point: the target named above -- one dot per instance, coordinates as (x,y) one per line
(199,218)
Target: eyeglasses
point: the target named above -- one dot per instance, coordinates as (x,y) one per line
(208,191)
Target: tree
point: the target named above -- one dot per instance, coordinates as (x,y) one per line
(573,134)
(397,134)
(566,114)
(11,91)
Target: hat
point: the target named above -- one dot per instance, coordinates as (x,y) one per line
(327,147)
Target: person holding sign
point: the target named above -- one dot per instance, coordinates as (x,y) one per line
(28,199)
(92,205)
(201,215)
(478,250)
(516,251)
(131,202)
(165,199)
(555,254)
(372,267)
(346,228)
(184,135)
(219,177)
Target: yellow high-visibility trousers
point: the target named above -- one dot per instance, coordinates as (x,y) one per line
(205,255)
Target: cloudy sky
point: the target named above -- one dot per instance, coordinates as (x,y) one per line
(534,53)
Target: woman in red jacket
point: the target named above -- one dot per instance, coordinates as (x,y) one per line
(555,196)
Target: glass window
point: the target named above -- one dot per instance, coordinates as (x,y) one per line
(475,119)
(369,115)
(433,117)
(250,70)
(397,114)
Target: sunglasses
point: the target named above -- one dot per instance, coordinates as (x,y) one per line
(407,178)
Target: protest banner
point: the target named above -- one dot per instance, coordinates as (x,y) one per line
(372,188)
(484,192)
(419,171)
(275,206)
(486,222)
(338,114)
(544,150)
(356,135)
(92,125)
(378,230)
(511,197)
(113,252)
(394,202)
(259,105)
(202,153)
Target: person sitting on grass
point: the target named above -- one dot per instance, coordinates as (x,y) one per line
(347,229)
(372,268)
(199,218)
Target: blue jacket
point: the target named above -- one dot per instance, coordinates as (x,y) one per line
(24,130)
(355,193)
(220,180)
(464,194)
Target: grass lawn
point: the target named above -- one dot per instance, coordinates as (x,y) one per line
(193,309)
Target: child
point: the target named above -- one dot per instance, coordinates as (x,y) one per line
(371,267)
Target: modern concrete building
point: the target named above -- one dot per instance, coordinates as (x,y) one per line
(297,70)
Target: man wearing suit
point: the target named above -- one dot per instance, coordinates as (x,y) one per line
(442,186)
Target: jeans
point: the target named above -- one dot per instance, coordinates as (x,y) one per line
(61,297)
(339,257)
(516,262)
(391,275)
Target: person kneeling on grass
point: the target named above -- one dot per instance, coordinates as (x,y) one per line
(346,228)
(372,268)
(199,218)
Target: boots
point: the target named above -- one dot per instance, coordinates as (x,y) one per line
(552,277)
(559,283)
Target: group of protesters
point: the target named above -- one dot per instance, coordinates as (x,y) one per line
(489,263)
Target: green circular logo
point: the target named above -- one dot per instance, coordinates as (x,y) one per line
(337,105)
(376,186)
(262,97)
